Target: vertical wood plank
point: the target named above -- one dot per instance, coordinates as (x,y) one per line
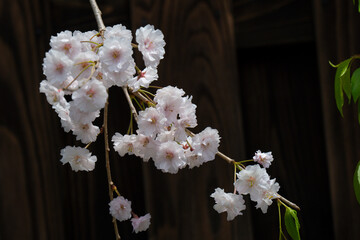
(200,58)
(15,218)
(274,22)
(26,118)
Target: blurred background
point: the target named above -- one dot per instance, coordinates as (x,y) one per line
(258,71)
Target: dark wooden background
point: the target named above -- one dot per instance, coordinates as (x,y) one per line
(258,71)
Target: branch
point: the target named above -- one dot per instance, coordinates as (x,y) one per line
(107,161)
(97,14)
(142,97)
(226,158)
(287,202)
(131,105)
(101,27)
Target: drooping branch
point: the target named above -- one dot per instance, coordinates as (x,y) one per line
(101,27)
(144,99)
(220,154)
(108,169)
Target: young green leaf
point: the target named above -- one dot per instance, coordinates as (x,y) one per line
(292,223)
(357,182)
(339,95)
(340,72)
(345,79)
(333,65)
(355,84)
(343,67)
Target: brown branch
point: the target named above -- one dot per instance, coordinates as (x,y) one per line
(226,158)
(98,17)
(131,105)
(287,202)
(101,27)
(108,169)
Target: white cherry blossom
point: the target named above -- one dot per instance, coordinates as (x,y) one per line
(116,54)
(57,67)
(263,158)
(80,159)
(151,45)
(90,97)
(231,203)
(86,132)
(120,208)
(251,179)
(170,157)
(144,78)
(141,224)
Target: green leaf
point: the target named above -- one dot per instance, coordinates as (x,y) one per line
(333,65)
(339,96)
(357,182)
(343,67)
(355,84)
(345,79)
(339,78)
(292,223)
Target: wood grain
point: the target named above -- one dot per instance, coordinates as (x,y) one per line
(27,120)
(276,22)
(15,209)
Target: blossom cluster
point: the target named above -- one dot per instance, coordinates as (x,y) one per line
(80,67)
(120,208)
(252,180)
(163,134)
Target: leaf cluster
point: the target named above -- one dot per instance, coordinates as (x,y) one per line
(348,82)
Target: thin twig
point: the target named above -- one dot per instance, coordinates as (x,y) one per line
(97,14)
(226,158)
(131,105)
(142,97)
(232,161)
(101,27)
(107,161)
(287,202)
